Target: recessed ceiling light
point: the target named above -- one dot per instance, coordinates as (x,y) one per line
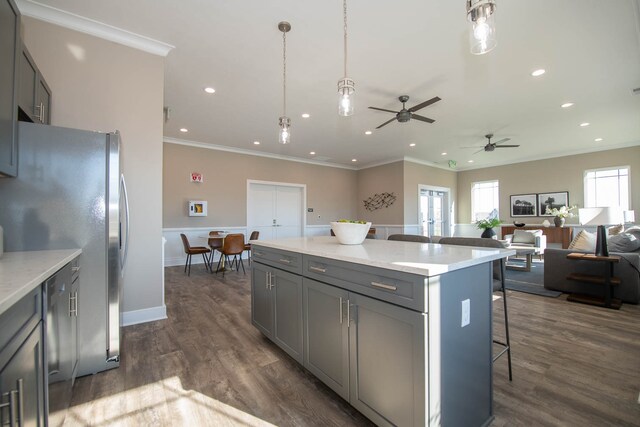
(256,142)
(412,144)
(209,90)
(537,73)
(184,130)
(368,132)
(443,154)
(306,115)
(354,160)
(567,105)
(585,124)
(598,139)
(313,153)
(469,161)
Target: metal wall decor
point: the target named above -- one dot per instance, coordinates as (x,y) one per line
(378,201)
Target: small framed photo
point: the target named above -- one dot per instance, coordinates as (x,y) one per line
(524,205)
(548,201)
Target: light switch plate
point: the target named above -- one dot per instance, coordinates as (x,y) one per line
(466,313)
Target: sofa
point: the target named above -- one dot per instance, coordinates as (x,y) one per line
(557,267)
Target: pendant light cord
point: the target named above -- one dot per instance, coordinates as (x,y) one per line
(344,9)
(284,73)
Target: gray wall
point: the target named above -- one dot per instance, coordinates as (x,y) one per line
(331,192)
(101,85)
(387,178)
(549,175)
(416,174)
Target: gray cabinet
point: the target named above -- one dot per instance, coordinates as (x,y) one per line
(22,373)
(276,308)
(34,95)
(9,52)
(62,342)
(355,344)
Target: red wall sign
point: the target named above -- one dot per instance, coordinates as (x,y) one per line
(196,177)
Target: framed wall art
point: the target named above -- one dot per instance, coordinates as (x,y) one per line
(552,200)
(524,205)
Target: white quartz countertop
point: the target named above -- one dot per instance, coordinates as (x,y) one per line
(21,272)
(426,259)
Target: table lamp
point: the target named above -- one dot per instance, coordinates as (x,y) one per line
(601,217)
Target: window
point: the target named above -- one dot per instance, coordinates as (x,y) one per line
(607,187)
(484,199)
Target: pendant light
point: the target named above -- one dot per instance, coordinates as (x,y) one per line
(482,36)
(346,86)
(284,122)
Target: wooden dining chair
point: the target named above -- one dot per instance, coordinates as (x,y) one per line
(247,246)
(194,250)
(233,246)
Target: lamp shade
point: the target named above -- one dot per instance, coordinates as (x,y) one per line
(601,216)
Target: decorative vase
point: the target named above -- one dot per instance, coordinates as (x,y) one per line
(558,221)
(488,233)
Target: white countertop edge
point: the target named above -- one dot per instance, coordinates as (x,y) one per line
(44,263)
(410,266)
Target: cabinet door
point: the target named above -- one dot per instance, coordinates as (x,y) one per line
(326,337)
(27,87)
(9,53)
(43,101)
(23,377)
(287,299)
(261,299)
(387,347)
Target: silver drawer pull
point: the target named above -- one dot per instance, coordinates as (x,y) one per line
(256,253)
(75,269)
(318,269)
(285,260)
(384,286)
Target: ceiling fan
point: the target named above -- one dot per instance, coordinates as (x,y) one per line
(407,114)
(493,145)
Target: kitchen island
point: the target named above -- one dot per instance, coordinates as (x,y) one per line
(401,330)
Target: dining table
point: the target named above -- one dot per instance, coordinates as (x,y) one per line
(216,242)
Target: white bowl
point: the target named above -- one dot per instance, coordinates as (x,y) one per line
(349,233)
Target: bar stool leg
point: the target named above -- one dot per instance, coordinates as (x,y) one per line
(506,317)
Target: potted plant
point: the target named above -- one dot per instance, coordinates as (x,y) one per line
(561,214)
(487,225)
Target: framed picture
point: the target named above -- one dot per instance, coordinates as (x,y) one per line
(524,205)
(552,200)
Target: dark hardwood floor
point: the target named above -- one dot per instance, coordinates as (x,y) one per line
(573,365)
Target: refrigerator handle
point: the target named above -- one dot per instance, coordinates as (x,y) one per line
(123,259)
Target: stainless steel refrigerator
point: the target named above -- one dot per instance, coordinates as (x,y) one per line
(70,193)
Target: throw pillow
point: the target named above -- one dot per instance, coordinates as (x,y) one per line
(623,242)
(615,230)
(584,241)
(525,236)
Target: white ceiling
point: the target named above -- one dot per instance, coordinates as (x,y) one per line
(590,50)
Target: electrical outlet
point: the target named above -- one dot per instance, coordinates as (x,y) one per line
(466,313)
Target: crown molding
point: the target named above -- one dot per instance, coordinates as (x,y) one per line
(95,28)
(244,151)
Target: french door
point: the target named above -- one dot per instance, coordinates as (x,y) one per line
(275,210)
(434,211)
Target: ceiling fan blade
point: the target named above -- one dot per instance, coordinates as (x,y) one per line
(422,118)
(473,146)
(501,141)
(387,122)
(382,109)
(506,146)
(424,104)
(480,150)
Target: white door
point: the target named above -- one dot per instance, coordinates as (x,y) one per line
(276,211)
(434,212)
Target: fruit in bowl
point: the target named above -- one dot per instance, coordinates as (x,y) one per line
(349,232)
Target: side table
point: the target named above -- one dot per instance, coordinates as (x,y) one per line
(607,279)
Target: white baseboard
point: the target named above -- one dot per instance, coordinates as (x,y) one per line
(145,315)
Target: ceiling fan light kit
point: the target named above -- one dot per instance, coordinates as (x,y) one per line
(346,86)
(481,14)
(284,122)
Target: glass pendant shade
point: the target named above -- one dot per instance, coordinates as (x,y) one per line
(482,35)
(346,93)
(284,136)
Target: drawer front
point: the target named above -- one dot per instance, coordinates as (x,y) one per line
(285,260)
(22,316)
(403,289)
